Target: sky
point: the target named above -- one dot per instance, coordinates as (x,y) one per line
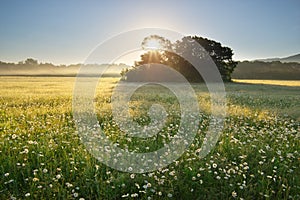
(66,31)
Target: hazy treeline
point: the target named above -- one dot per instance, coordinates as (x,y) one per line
(30,62)
(31,67)
(267,70)
(245,70)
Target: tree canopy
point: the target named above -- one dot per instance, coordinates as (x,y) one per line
(222,57)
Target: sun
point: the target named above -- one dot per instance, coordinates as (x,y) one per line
(153,42)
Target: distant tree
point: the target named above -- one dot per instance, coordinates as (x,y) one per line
(222,56)
(31,61)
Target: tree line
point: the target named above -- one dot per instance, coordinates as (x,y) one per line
(274,70)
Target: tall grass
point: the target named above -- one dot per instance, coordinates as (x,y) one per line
(41,156)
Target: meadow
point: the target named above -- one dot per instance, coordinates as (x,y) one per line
(256,157)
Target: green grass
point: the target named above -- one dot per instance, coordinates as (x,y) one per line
(41,156)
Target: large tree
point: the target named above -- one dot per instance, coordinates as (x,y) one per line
(222,57)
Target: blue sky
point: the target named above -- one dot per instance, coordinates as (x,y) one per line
(65,32)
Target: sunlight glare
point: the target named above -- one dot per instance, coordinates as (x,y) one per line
(153,44)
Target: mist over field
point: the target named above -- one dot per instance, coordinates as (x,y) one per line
(271,70)
(47,69)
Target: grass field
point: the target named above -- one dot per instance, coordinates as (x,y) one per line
(256,157)
(295,83)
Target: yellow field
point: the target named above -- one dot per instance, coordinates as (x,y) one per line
(270,82)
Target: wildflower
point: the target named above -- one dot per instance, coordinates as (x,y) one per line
(8,182)
(134,195)
(132,176)
(69,185)
(6,174)
(35,179)
(35,171)
(13,198)
(234,194)
(172,173)
(148,185)
(125,195)
(201,169)
(27,195)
